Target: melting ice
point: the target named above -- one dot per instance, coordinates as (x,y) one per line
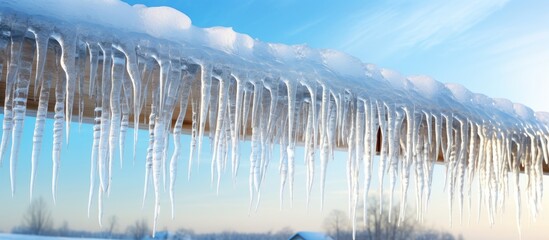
(224,85)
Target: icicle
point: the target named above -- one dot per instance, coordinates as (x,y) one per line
(324,145)
(311,139)
(184,99)
(93,52)
(291,87)
(105,117)
(418,161)
(133,71)
(471,162)
(125,105)
(42,38)
(58,117)
(117,78)
(264,153)
(100,206)
(451,167)
(447,145)
(332,123)
(164,81)
(19,108)
(213,109)
(381,112)
(206,81)
(149,159)
(351,158)
(309,155)
(481,166)
(255,155)
(393,149)
(427,166)
(246,106)
(95,149)
(283,167)
(13,68)
(158,151)
(235,157)
(41,114)
(95,90)
(194,131)
(221,113)
(370,140)
(407,161)
(123,127)
(68,57)
(430,158)
(266,117)
(464,129)
(81,67)
(224,149)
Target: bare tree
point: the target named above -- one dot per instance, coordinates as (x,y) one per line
(112,225)
(37,220)
(139,230)
(285,232)
(336,223)
(64,229)
(380,226)
(183,234)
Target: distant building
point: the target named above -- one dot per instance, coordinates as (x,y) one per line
(310,236)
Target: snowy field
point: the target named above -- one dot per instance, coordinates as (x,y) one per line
(8,236)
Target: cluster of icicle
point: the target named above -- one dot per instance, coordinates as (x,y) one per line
(417,120)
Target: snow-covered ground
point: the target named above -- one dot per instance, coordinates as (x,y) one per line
(9,236)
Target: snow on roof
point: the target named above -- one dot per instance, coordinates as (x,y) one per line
(312,236)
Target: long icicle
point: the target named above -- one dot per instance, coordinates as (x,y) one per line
(19,108)
(39,128)
(58,117)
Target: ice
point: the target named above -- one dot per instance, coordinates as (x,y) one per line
(309,153)
(184,99)
(205,94)
(370,140)
(124,122)
(13,68)
(291,87)
(219,126)
(149,157)
(95,151)
(194,132)
(324,143)
(80,79)
(19,108)
(381,112)
(42,39)
(117,78)
(158,148)
(39,127)
(235,118)
(106,82)
(58,118)
(407,161)
(255,155)
(149,64)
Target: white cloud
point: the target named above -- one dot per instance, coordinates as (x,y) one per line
(401,25)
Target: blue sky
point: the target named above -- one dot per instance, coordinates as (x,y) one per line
(496,47)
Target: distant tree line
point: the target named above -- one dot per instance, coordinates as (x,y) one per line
(38,221)
(378,226)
